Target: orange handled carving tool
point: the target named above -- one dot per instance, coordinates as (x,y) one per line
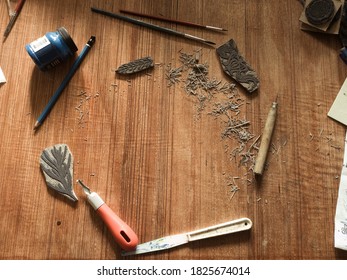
(122,233)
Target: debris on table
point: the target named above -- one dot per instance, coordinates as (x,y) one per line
(83,107)
(173,75)
(221,100)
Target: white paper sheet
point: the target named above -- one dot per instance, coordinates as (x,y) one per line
(341,207)
(338,110)
(2,77)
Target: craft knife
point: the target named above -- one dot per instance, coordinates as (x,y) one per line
(179,239)
(122,233)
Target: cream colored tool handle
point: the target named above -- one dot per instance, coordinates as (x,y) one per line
(221,229)
(265,140)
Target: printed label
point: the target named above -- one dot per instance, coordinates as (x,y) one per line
(39,43)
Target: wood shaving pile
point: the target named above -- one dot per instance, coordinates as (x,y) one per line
(223,101)
(173,75)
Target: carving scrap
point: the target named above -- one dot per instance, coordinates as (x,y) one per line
(136,66)
(236,66)
(57,166)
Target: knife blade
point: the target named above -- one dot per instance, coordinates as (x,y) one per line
(171,241)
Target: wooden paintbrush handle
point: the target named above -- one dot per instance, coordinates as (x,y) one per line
(19,6)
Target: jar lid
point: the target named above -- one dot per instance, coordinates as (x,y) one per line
(67,38)
(319,12)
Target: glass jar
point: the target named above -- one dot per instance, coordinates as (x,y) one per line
(51,49)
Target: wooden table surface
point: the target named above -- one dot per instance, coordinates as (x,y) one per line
(153,152)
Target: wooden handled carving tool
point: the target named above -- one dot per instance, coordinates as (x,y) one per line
(265,140)
(122,233)
(152,26)
(179,239)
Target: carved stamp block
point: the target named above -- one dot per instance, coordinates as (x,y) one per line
(236,66)
(136,66)
(57,166)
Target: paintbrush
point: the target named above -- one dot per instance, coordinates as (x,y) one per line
(152,26)
(174,20)
(13,18)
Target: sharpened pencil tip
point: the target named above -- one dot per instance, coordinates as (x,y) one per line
(36,126)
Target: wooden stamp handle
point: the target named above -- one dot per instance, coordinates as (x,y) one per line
(265,140)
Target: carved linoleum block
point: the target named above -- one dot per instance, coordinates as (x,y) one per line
(322,16)
(57,166)
(236,66)
(319,12)
(136,66)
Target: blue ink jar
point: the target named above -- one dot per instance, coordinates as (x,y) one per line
(51,49)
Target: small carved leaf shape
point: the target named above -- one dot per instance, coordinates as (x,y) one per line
(57,166)
(136,66)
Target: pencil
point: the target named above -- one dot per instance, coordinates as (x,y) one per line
(65,82)
(13,17)
(265,140)
(173,20)
(152,26)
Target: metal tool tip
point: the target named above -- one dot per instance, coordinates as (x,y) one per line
(80,182)
(84,187)
(209,42)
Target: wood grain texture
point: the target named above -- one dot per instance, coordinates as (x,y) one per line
(146,150)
